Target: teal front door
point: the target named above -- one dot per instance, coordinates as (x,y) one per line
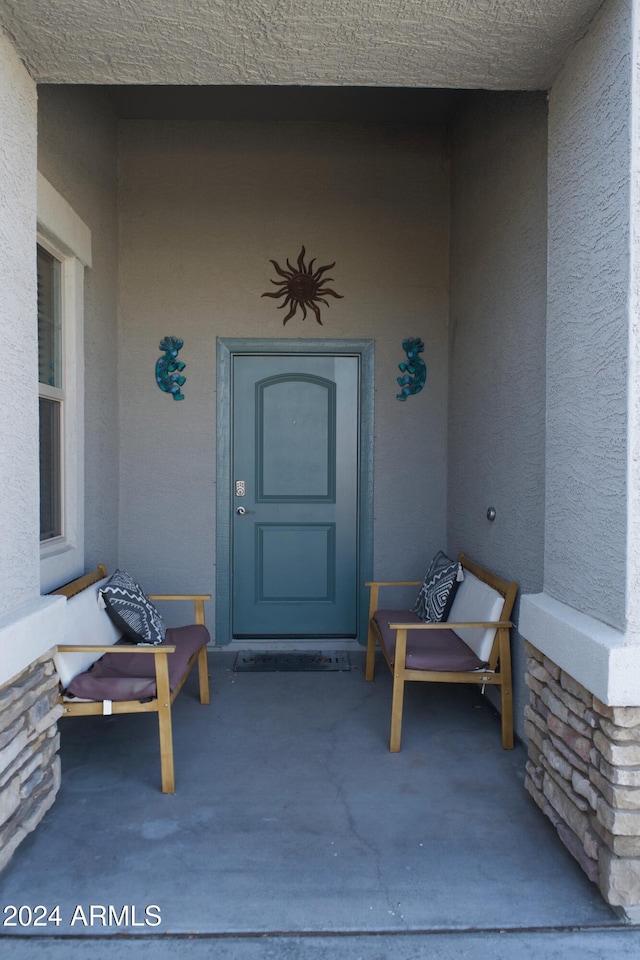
(294,496)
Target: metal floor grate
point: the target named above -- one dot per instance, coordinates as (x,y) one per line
(249,661)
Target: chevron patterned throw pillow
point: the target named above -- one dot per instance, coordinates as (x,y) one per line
(438,589)
(131,610)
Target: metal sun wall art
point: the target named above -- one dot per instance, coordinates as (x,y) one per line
(302,287)
(414,369)
(169,368)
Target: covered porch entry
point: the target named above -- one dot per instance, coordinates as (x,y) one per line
(496,221)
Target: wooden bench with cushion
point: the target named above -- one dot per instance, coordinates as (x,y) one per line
(471,646)
(102,675)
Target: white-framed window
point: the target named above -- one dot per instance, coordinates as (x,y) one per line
(50,394)
(63,251)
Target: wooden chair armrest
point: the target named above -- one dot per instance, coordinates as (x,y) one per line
(392,583)
(446,625)
(179,596)
(374,590)
(114,648)
(197,598)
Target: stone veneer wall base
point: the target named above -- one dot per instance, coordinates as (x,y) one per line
(583,772)
(29,745)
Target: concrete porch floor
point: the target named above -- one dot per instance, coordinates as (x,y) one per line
(295,833)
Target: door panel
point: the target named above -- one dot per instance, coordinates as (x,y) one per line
(296,451)
(295,561)
(295,447)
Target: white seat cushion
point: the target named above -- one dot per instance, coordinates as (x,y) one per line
(476,601)
(87,623)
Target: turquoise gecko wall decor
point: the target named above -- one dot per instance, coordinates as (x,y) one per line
(414,369)
(169,368)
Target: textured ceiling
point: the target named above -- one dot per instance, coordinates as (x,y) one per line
(493,44)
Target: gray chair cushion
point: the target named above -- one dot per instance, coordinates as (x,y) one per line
(131,676)
(440,649)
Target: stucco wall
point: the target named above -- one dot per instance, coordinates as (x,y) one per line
(204,206)
(587,335)
(497,376)
(29,624)
(19,562)
(77,153)
(633,427)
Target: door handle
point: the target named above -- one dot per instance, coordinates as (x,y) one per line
(240,511)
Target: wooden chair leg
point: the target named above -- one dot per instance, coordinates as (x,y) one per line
(397,701)
(371,637)
(507,721)
(371,655)
(506,691)
(164,723)
(203,675)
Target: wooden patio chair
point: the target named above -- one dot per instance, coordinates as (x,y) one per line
(471,646)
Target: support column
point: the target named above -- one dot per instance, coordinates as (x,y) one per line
(583,720)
